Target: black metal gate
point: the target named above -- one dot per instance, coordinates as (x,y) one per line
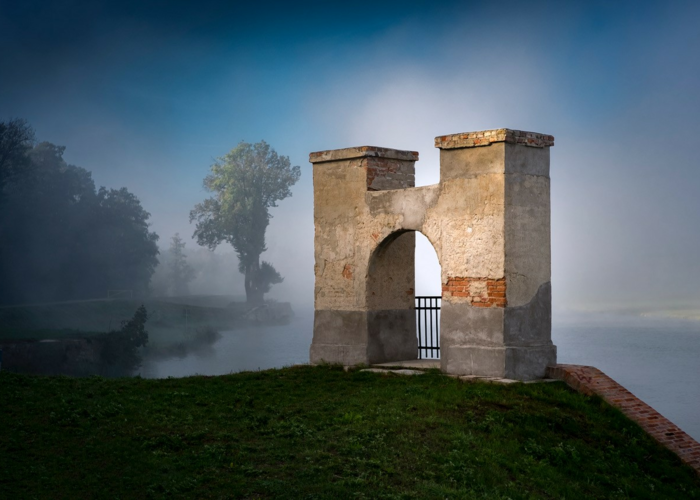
(428,327)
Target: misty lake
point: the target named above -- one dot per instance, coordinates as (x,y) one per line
(659,361)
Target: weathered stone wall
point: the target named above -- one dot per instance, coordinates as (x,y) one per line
(345,238)
(488,221)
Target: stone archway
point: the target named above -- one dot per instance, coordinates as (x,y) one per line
(488,220)
(391,320)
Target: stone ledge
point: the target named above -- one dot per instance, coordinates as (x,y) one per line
(418,367)
(399,371)
(589,380)
(418,364)
(487,137)
(362,152)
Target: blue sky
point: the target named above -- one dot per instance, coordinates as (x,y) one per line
(146,94)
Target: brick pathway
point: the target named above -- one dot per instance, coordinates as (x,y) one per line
(590,380)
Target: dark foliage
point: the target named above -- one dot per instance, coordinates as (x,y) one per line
(268,276)
(120,350)
(60,238)
(16,139)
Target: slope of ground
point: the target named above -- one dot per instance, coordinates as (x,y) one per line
(320,432)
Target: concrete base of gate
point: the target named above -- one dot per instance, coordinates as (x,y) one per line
(519,363)
(419,364)
(417,367)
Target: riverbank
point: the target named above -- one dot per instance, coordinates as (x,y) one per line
(168,317)
(67,337)
(320,431)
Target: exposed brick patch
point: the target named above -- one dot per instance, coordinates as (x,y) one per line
(347,272)
(486,137)
(479,292)
(387,173)
(590,380)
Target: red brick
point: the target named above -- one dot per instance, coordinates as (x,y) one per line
(589,380)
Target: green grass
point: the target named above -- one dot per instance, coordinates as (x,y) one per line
(320,432)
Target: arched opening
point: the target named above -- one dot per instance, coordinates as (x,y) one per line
(428,298)
(392,324)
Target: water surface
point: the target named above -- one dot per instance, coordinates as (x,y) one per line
(659,361)
(242,349)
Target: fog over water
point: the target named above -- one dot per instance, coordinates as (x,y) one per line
(656,360)
(243,349)
(146,97)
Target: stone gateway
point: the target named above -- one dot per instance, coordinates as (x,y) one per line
(489,222)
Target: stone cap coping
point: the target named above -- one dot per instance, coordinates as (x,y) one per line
(362,152)
(486,137)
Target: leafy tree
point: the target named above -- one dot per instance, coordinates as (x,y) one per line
(49,203)
(124,248)
(180,272)
(62,239)
(16,139)
(246,183)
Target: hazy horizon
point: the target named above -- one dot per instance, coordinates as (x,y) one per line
(147,96)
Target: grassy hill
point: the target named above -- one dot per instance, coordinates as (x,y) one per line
(320,432)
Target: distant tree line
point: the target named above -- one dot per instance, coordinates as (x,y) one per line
(180,272)
(213,273)
(60,237)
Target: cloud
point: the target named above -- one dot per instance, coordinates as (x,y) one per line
(624,182)
(410,104)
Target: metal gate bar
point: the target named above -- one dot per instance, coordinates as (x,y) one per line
(428,326)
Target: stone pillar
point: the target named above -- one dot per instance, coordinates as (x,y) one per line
(353,322)
(496,307)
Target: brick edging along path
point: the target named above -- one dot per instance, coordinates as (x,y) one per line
(590,380)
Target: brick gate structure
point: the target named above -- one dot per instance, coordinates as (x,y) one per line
(489,222)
